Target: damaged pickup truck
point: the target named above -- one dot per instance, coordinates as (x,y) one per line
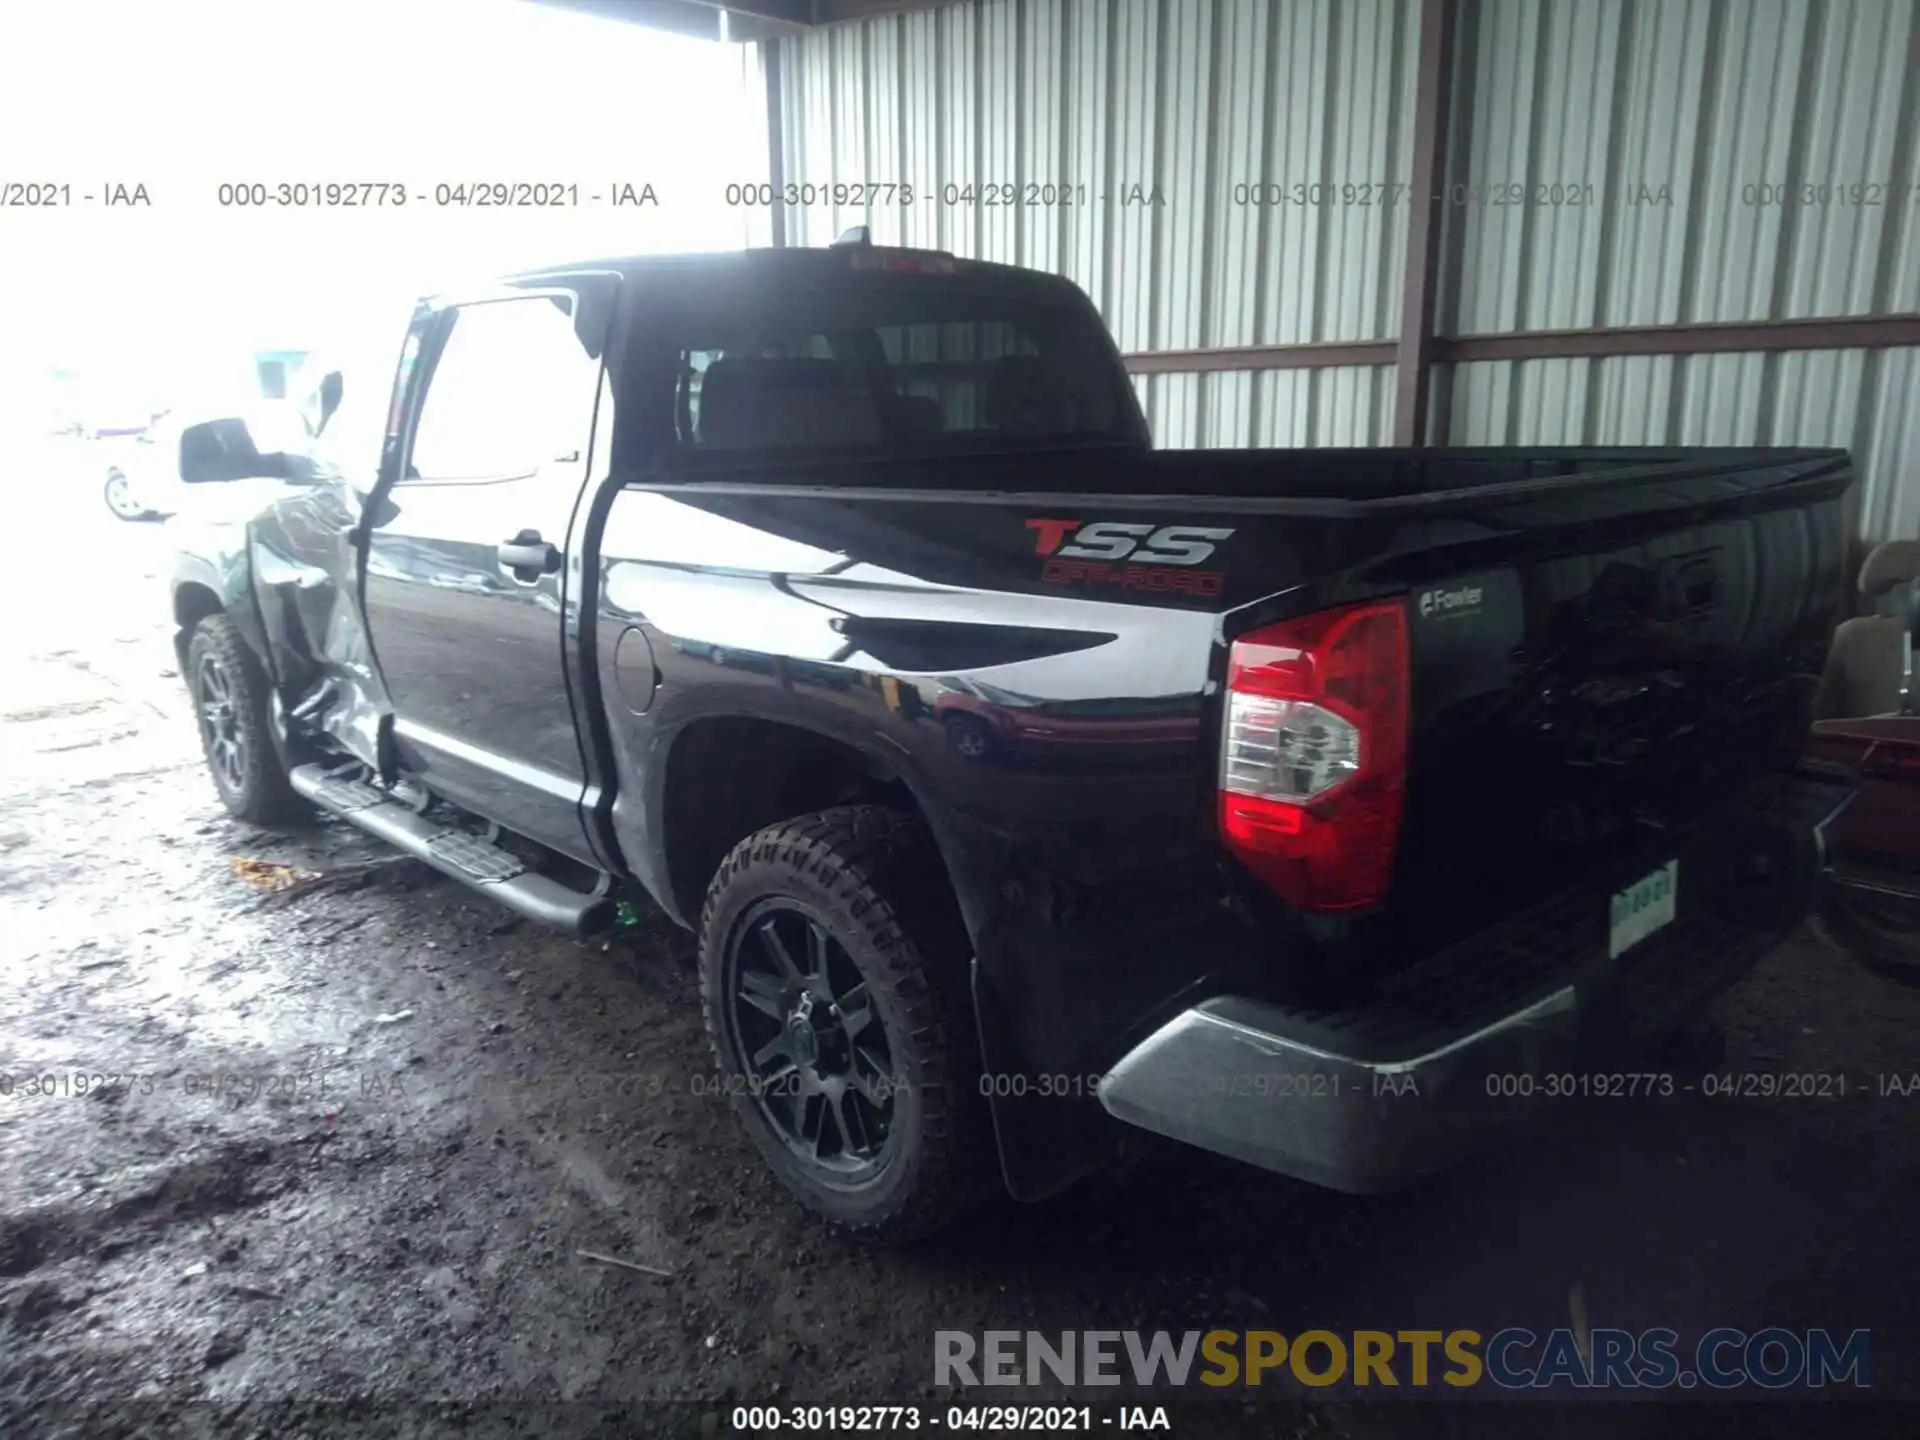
(1029,788)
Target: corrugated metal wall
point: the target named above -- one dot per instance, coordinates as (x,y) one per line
(1689,119)
(1340,405)
(1155,129)
(1223,173)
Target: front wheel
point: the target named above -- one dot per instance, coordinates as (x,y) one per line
(1881,931)
(833,980)
(120,497)
(231,702)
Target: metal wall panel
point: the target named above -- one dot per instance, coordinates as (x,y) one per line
(1745,160)
(1657,162)
(756,221)
(1343,405)
(1889,453)
(1144,122)
(1865,400)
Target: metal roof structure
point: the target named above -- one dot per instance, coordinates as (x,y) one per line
(738,20)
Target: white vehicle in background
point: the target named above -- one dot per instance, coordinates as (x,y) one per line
(141,475)
(151,475)
(259,441)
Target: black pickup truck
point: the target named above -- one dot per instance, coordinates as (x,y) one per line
(1030,788)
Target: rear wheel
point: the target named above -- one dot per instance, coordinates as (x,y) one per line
(1881,931)
(833,981)
(231,701)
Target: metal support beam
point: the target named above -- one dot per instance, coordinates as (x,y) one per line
(1757,337)
(1432,106)
(776,137)
(750,19)
(1317,356)
(782,12)
(834,12)
(736,20)
(1752,337)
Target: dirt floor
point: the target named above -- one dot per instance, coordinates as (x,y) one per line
(362,1132)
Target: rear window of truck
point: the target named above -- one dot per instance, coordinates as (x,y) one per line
(899,370)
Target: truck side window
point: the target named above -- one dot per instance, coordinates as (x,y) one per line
(863,378)
(511,392)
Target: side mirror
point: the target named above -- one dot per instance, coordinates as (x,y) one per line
(332,387)
(220,450)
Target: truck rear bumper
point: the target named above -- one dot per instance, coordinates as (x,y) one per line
(1488,1037)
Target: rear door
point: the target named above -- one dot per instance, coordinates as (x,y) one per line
(466,583)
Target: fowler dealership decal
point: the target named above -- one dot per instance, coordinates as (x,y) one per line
(1134,555)
(1450,602)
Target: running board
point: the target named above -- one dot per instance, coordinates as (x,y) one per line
(487,868)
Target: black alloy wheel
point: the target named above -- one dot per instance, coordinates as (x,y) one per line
(232,707)
(220,733)
(821,1067)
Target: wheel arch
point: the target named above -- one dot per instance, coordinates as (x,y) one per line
(217,580)
(726,775)
(193,601)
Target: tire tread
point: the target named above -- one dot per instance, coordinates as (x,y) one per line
(268,798)
(881,865)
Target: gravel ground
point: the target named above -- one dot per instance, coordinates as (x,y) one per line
(365,1129)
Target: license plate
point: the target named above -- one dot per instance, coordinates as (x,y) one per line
(1642,908)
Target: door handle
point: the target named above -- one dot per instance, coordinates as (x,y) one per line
(528,552)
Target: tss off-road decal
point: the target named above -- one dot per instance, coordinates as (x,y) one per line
(1135,555)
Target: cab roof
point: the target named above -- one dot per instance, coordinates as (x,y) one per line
(801,263)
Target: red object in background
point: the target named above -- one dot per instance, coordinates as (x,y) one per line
(1883,822)
(1872,905)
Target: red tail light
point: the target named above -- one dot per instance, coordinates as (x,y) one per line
(1314,759)
(1892,759)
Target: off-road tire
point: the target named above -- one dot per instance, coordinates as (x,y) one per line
(263,794)
(874,877)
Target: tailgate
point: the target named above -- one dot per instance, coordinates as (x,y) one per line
(1602,665)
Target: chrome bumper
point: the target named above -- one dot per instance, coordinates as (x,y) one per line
(1228,1076)
(1488,1037)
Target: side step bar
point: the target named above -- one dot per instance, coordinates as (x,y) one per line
(487,868)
